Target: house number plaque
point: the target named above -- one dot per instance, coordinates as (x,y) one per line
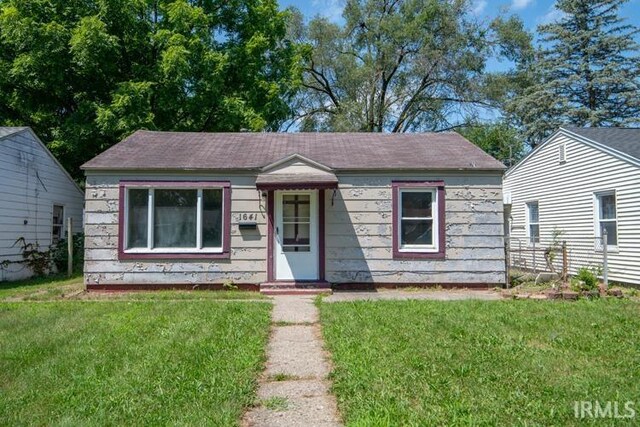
(247,217)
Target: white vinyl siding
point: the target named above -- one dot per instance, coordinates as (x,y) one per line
(32,184)
(566,193)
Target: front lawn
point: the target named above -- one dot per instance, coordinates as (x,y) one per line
(130,363)
(59,287)
(47,287)
(473,362)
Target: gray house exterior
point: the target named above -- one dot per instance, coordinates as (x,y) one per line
(37,196)
(293,212)
(579,182)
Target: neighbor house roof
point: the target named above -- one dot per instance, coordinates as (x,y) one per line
(10,130)
(7,131)
(346,151)
(622,143)
(625,140)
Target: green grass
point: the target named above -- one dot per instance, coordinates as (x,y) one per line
(48,287)
(481,363)
(130,363)
(276,403)
(283,377)
(60,287)
(170,295)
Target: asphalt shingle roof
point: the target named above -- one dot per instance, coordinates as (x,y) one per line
(218,151)
(625,140)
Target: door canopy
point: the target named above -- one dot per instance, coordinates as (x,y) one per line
(296,172)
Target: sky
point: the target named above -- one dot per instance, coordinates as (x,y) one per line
(532,12)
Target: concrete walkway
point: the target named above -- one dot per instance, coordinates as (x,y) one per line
(294,390)
(428,294)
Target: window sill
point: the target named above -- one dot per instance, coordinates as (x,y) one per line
(610,250)
(414,254)
(203,255)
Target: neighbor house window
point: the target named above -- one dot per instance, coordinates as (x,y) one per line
(533,222)
(57,223)
(175,218)
(418,219)
(606,217)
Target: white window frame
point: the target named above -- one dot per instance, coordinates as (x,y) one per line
(150,224)
(596,218)
(435,228)
(528,222)
(62,226)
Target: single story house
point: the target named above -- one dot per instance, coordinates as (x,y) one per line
(37,196)
(579,183)
(293,210)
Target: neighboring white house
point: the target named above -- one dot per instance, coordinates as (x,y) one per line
(580,181)
(36,197)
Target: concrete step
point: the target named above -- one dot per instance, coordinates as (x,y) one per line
(295,288)
(295,285)
(295,291)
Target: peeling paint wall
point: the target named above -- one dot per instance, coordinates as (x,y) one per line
(248,247)
(358,234)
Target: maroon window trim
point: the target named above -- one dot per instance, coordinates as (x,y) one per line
(321,237)
(395,215)
(270,236)
(226,215)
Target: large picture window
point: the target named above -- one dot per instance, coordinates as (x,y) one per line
(174,218)
(418,209)
(606,217)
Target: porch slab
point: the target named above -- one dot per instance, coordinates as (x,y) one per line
(295,288)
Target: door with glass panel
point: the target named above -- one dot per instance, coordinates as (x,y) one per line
(296,235)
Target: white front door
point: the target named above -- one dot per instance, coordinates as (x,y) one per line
(296,234)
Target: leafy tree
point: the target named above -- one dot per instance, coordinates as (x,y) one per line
(500,139)
(587,72)
(86,73)
(398,65)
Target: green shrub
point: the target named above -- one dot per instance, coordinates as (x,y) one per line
(59,253)
(585,280)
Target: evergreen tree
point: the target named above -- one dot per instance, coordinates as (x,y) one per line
(586,74)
